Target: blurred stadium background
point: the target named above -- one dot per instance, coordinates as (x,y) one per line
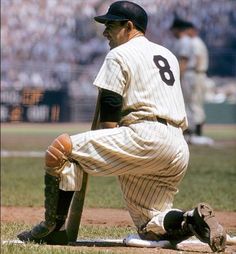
(52,49)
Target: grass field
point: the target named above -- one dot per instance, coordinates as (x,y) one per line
(211,178)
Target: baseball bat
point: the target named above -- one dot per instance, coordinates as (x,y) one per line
(77,203)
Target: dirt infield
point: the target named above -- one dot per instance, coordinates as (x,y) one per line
(111,218)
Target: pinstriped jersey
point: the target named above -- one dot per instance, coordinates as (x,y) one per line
(201,52)
(147,76)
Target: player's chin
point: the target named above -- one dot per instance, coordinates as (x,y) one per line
(111,45)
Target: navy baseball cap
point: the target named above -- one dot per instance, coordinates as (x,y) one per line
(181,24)
(124,11)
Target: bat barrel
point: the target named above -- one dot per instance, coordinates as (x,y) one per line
(75,212)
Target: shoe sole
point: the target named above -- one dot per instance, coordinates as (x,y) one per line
(217,239)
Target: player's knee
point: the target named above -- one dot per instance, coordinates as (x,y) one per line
(58,154)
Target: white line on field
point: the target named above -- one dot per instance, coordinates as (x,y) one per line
(5,153)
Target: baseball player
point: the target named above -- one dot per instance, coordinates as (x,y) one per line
(201,66)
(200,87)
(192,55)
(140,140)
(184,51)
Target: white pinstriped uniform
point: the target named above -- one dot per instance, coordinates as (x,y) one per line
(184,48)
(149,157)
(201,53)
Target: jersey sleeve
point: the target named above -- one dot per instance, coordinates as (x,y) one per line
(111,76)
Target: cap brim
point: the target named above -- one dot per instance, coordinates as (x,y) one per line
(109,17)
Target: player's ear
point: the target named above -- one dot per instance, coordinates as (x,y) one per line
(130,26)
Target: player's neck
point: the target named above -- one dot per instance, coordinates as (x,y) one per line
(134,34)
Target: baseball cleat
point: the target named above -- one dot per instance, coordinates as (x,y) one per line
(54,238)
(206,228)
(37,233)
(26,236)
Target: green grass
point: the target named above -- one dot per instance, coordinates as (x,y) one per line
(20,137)
(211,177)
(221,132)
(45,129)
(22,185)
(22,181)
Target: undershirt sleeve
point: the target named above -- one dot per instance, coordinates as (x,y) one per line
(111,105)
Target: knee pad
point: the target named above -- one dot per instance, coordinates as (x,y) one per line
(57,154)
